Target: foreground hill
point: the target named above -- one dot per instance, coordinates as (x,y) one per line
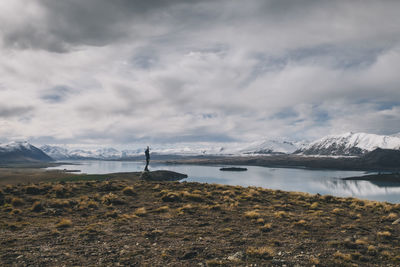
(22,152)
(190,224)
(350,144)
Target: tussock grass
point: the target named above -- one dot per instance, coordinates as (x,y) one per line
(37,206)
(141,212)
(300,223)
(253,214)
(391,216)
(64,223)
(384,234)
(17,202)
(266,227)
(162,209)
(192,196)
(188,208)
(264,252)
(280,214)
(342,256)
(32,190)
(129,191)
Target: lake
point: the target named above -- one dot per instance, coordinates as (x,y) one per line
(288,179)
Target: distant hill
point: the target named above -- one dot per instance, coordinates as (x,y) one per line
(22,152)
(382,158)
(350,144)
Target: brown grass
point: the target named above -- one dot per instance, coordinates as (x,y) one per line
(64,223)
(253,214)
(129,191)
(264,252)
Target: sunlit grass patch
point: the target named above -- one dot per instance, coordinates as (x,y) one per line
(280,214)
(192,196)
(129,191)
(64,223)
(141,212)
(162,209)
(264,252)
(300,223)
(384,234)
(337,211)
(391,216)
(253,214)
(342,256)
(37,206)
(266,227)
(188,208)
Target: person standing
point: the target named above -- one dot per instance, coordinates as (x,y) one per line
(147,154)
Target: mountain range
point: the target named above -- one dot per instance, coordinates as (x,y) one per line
(348,144)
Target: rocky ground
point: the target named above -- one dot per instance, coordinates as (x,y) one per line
(143,223)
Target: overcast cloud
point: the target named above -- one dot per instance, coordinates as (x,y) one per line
(130,71)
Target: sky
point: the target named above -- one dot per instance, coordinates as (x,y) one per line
(168,72)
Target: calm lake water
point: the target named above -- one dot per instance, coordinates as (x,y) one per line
(288,179)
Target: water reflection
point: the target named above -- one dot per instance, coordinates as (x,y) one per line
(303,180)
(364,189)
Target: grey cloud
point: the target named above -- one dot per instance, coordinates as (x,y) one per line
(56,94)
(10,112)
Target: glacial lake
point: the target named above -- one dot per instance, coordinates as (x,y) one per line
(288,179)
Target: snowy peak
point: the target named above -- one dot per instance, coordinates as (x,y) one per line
(13,146)
(22,152)
(273,147)
(350,144)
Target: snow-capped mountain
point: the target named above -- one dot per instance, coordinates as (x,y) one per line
(55,152)
(396,135)
(22,152)
(350,144)
(273,147)
(65,153)
(62,153)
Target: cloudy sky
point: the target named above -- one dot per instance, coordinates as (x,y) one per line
(133,71)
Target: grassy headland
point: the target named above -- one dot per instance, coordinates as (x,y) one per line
(128,222)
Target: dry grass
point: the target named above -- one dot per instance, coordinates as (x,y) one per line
(64,223)
(264,252)
(17,202)
(162,209)
(110,225)
(129,191)
(266,227)
(141,212)
(253,214)
(343,256)
(280,214)
(37,206)
(384,234)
